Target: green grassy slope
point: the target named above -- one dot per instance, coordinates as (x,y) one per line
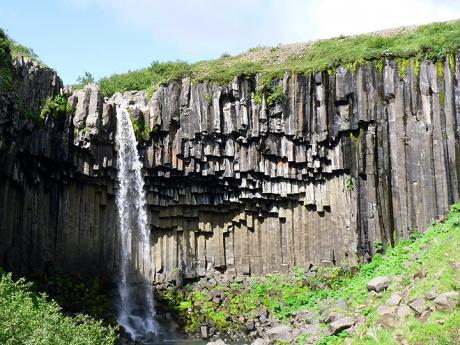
(432,42)
(436,254)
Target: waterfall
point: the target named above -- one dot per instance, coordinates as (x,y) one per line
(136,311)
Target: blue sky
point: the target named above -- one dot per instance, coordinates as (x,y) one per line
(113,36)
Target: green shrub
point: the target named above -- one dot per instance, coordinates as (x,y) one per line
(83,80)
(208,99)
(56,108)
(350,184)
(378,247)
(149,78)
(276,95)
(29,318)
(334,339)
(6,68)
(266,87)
(141,131)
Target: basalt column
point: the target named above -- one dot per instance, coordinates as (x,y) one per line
(236,185)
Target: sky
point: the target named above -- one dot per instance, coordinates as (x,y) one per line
(105,37)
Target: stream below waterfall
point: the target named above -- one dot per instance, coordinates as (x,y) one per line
(189,342)
(186,341)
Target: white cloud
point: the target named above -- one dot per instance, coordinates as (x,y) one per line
(359,16)
(198,28)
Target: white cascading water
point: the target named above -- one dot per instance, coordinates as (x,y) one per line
(136,306)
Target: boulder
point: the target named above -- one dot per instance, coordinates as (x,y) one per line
(418,305)
(394,300)
(341,324)
(431,295)
(384,310)
(306,316)
(312,329)
(447,300)
(379,283)
(280,333)
(334,317)
(341,304)
(403,311)
(217,342)
(260,341)
(204,332)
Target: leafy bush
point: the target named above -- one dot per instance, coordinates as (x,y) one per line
(143,79)
(6,69)
(276,95)
(56,107)
(85,79)
(141,131)
(334,339)
(29,318)
(378,247)
(350,184)
(268,88)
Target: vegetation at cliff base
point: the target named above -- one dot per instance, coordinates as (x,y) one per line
(30,318)
(432,42)
(433,258)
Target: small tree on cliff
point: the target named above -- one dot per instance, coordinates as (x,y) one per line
(85,79)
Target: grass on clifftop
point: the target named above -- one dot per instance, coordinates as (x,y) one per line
(432,42)
(30,318)
(9,49)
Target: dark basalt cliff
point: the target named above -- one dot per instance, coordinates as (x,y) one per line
(344,161)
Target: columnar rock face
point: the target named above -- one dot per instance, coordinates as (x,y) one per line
(344,161)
